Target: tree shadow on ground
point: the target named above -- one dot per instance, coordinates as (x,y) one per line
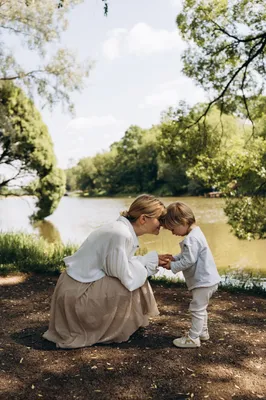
(230,366)
(32,337)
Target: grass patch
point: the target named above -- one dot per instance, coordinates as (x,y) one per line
(28,253)
(21,252)
(234,283)
(166,282)
(246,281)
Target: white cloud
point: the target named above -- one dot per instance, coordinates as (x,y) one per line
(161,99)
(171,92)
(177,5)
(86,136)
(111,47)
(142,39)
(91,122)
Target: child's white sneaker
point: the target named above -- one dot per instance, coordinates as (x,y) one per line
(205,336)
(186,341)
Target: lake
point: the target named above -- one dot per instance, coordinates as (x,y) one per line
(76,217)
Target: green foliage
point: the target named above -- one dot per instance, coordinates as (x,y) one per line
(131,166)
(243,281)
(49,191)
(227,47)
(23,131)
(247,216)
(26,151)
(92,174)
(192,152)
(38,24)
(28,253)
(226,56)
(180,157)
(136,160)
(183,144)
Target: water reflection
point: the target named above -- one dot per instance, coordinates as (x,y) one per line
(75,218)
(48,231)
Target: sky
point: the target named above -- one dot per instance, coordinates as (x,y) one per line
(136,52)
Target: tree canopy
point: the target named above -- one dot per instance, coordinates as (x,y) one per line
(170,159)
(38,24)
(27,158)
(226,56)
(227,48)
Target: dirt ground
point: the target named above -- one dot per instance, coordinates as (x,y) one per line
(231,365)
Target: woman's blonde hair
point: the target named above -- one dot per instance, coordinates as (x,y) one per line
(178,214)
(147,205)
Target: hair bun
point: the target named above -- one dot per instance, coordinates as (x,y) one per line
(124,214)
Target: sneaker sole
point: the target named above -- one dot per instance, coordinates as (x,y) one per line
(186,346)
(204,338)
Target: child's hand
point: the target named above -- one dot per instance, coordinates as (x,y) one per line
(164,259)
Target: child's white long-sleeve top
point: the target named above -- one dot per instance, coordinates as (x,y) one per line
(196,261)
(110,250)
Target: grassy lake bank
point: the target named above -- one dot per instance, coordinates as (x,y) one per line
(27,253)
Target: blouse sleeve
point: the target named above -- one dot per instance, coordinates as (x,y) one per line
(149,261)
(130,272)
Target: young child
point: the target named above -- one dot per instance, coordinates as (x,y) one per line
(198,267)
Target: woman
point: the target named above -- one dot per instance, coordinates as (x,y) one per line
(104,296)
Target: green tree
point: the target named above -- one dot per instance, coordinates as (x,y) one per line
(37,24)
(136,166)
(93,175)
(27,158)
(182,147)
(131,166)
(227,48)
(226,56)
(71,178)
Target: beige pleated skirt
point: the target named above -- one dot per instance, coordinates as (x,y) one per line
(103,311)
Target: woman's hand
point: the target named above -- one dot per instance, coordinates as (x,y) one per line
(167,266)
(165,259)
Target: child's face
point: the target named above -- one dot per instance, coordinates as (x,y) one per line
(180,230)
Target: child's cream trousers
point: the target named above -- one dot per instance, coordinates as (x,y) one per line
(198,309)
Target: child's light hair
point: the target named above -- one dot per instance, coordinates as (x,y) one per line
(147,205)
(178,214)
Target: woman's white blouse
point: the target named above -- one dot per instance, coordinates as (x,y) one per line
(110,251)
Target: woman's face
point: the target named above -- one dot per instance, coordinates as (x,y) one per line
(152,225)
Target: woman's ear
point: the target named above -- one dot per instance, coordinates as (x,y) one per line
(142,219)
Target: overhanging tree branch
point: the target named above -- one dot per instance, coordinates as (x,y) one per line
(233,77)
(21,76)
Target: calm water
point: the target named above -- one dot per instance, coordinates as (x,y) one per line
(75,218)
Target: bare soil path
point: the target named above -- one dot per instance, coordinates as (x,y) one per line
(231,365)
